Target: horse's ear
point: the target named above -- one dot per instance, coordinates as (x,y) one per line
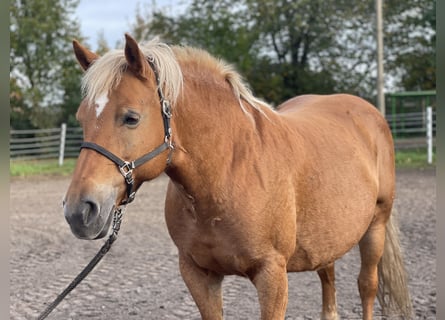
(84,56)
(135,58)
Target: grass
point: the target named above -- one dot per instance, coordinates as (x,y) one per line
(25,168)
(413,158)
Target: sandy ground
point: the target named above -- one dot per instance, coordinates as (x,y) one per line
(139,278)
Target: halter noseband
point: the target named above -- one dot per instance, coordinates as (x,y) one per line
(126,167)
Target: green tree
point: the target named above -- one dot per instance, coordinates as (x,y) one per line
(295,37)
(19,117)
(42,67)
(215,25)
(411,43)
(285,48)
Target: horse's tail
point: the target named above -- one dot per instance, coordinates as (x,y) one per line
(393,293)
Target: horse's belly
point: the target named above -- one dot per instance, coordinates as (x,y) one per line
(321,243)
(307,260)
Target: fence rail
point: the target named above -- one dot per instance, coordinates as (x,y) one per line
(410,130)
(414,130)
(53,143)
(411,125)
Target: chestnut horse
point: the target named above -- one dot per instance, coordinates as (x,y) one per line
(253,191)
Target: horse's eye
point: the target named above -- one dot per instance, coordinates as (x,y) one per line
(131,119)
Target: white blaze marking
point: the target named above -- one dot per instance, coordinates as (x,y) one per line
(101,102)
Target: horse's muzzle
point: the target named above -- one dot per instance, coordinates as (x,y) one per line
(88,219)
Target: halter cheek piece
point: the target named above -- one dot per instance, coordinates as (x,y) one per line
(126,167)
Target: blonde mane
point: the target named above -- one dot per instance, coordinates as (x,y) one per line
(106,73)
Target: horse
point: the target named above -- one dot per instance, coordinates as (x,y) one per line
(253,191)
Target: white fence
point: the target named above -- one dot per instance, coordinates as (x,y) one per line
(414,130)
(53,143)
(410,130)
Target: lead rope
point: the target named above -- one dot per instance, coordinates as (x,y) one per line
(117,219)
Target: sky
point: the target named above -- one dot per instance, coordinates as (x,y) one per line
(114,18)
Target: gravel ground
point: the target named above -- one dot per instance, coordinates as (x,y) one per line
(139,278)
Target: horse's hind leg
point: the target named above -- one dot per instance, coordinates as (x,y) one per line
(327,277)
(205,288)
(371,251)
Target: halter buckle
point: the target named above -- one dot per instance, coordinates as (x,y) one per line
(166,108)
(168,140)
(127,171)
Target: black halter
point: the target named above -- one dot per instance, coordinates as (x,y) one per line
(126,167)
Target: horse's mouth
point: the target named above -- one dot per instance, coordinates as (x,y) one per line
(106,226)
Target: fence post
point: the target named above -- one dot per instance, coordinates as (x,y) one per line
(62,143)
(429,134)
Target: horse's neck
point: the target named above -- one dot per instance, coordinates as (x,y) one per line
(214,139)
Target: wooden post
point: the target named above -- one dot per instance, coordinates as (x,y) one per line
(380,78)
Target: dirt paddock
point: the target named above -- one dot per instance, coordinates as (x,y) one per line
(139,278)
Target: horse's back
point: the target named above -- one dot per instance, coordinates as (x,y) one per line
(322,106)
(339,117)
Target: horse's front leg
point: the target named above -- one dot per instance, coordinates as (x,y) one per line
(205,288)
(327,278)
(270,280)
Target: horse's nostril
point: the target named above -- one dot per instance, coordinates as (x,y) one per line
(89,211)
